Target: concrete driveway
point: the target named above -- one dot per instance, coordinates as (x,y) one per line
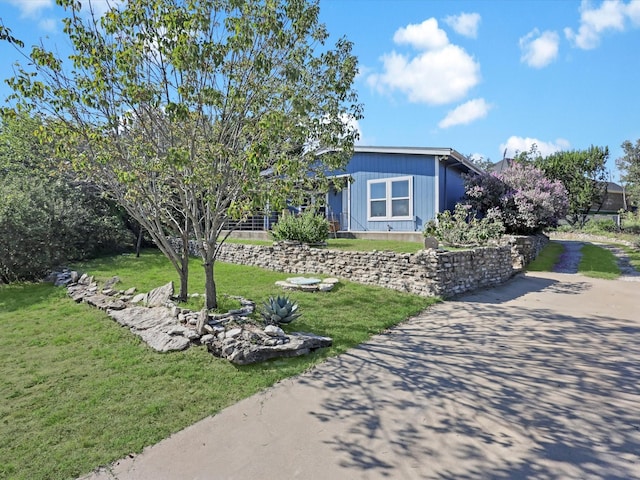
(539,378)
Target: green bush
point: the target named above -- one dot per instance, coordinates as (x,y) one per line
(47,222)
(631,223)
(462,229)
(601,225)
(306,228)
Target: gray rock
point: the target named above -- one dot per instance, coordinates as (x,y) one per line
(243,352)
(139,298)
(104,302)
(152,325)
(207,338)
(160,296)
(326,287)
(233,333)
(177,330)
(274,331)
(191,334)
(111,282)
(130,291)
(203,318)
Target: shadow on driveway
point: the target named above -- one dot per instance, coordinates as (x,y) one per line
(487,389)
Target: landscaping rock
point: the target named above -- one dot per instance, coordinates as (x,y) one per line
(274,331)
(158,297)
(139,298)
(111,282)
(251,347)
(156,326)
(104,302)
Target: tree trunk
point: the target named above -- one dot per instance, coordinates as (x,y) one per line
(184,270)
(139,242)
(210,286)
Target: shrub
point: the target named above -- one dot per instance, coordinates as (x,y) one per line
(307,227)
(527,200)
(461,228)
(47,222)
(631,223)
(598,225)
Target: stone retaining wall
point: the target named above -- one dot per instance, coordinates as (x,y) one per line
(427,272)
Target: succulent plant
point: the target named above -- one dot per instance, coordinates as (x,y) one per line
(279,310)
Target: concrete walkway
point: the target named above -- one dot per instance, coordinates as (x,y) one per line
(539,378)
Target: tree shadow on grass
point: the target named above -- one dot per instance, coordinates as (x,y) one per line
(515,393)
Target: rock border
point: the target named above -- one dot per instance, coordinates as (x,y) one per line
(166,327)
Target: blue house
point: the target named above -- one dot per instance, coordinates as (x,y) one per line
(397,189)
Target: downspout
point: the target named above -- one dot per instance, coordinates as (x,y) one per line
(348,205)
(437,187)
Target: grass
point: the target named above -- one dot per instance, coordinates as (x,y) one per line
(350,244)
(547,258)
(634,256)
(79,391)
(598,262)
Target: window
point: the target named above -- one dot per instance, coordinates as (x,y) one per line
(390,199)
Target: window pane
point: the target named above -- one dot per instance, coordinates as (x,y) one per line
(379,208)
(378,190)
(400,208)
(400,189)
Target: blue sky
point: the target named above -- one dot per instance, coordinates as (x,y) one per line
(481,76)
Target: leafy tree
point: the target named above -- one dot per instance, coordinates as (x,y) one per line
(526,199)
(193,113)
(584,174)
(45,219)
(629,166)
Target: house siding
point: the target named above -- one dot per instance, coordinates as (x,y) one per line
(451,187)
(376,166)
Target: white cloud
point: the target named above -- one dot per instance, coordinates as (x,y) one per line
(440,73)
(539,49)
(633,12)
(100,7)
(31,8)
(466,113)
(465,24)
(425,36)
(48,25)
(515,145)
(594,22)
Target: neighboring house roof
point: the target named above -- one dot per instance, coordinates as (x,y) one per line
(500,166)
(613,187)
(449,156)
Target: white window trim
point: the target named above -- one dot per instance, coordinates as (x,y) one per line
(388,199)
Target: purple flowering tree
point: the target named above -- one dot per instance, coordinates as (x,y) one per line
(526,199)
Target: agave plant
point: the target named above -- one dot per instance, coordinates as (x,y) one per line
(279,310)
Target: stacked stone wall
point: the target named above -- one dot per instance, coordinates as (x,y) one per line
(427,272)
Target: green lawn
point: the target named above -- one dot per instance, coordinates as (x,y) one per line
(634,256)
(359,244)
(547,259)
(79,391)
(598,262)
